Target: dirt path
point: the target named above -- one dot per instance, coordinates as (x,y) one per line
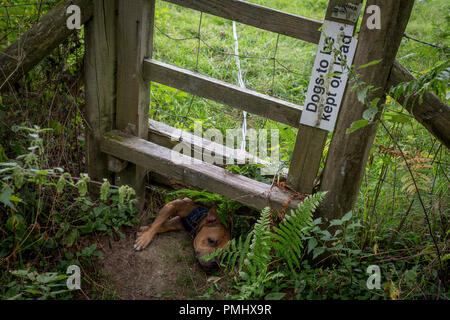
(166,269)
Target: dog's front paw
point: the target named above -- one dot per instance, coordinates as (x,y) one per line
(142,241)
(142,230)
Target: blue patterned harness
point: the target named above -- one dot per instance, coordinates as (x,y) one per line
(192,221)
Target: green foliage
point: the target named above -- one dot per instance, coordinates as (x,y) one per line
(435,80)
(45,210)
(252,171)
(32,285)
(294,229)
(251,257)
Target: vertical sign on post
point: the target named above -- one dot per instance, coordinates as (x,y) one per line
(310,142)
(329,77)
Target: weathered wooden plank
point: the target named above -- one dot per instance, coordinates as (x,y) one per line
(100,63)
(348,153)
(308,150)
(35,44)
(194,172)
(169,137)
(258,16)
(223,92)
(134,43)
(432,113)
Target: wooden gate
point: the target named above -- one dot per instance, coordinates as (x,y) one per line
(119,69)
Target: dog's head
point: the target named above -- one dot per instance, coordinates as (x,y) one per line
(211,235)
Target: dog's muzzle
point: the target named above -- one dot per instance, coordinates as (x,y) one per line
(209,265)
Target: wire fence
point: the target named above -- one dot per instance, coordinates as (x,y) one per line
(224,52)
(276,62)
(426,43)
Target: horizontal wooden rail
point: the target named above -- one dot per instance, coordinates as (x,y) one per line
(167,136)
(193,172)
(258,16)
(223,92)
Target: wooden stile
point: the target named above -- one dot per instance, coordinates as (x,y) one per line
(129,55)
(258,16)
(134,44)
(100,84)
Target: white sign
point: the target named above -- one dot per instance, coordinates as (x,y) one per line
(329,76)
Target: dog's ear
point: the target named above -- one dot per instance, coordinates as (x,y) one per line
(212,215)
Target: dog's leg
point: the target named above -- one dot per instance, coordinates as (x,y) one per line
(171,225)
(146,236)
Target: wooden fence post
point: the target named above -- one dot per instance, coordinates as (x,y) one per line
(134,44)
(310,141)
(348,153)
(100,83)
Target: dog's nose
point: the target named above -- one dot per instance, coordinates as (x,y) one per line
(210,265)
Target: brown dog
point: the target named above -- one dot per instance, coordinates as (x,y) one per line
(203,224)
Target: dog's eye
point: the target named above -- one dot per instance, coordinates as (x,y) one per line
(212,242)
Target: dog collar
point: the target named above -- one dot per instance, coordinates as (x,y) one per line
(193,219)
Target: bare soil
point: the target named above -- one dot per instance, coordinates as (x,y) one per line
(166,269)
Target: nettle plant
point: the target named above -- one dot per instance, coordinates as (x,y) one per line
(48,209)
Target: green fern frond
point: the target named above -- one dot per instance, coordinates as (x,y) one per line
(197,196)
(292,231)
(251,257)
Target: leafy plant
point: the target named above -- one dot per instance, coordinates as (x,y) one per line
(435,79)
(418,166)
(250,258)
(32,285)
(45,209)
